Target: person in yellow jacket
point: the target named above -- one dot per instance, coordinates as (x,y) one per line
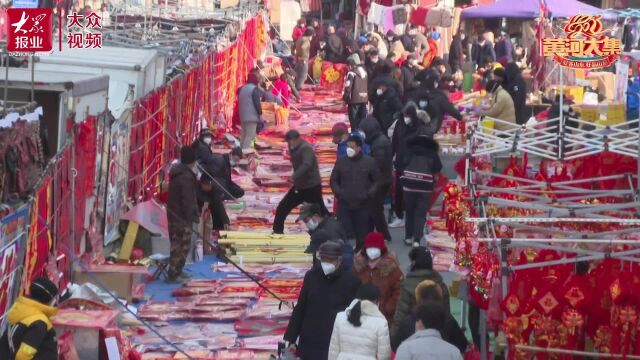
(30,334)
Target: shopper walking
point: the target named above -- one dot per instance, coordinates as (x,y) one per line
(386,104)
(182,211)
(354,182)
(381,153)
(427,293)
(302,52)
(375,264)
(361,331)
(30,334)
(322,228)
(250,110)
(326,290)
(421,269)
(421,164)
(355,93)
(307,185)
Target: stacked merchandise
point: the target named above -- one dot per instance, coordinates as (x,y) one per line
(247,247)
(225,318)
(267,178)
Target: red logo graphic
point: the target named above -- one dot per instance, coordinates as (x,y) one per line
(29,30)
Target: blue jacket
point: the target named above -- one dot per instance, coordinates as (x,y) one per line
(633,99)
(342,147)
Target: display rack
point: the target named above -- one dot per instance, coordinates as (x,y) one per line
(552,140)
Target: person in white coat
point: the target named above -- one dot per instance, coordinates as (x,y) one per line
(361,331)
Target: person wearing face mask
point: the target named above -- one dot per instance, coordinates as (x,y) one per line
(361,331)
(340,134)
(381,152)
(408,73)
(324,228)
(501,108)
(407,38)
(456,52)
(421,165)
(372,63)
(421,269)
(395,45)
(355,92)
(307,184)
(387,103)
(326,290)
(435,99)
(217,186)
(354,182)
(30,334)
(375,264)
(182,211)
(202,146)
(384,77)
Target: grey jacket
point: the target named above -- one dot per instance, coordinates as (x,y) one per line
(306,173)
(354,181)
(249,107)
(427,345)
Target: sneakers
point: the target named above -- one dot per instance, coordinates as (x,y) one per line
(396,223)
(408,242)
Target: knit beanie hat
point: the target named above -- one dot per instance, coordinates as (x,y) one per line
(375,240)
(43,290)
(421,258)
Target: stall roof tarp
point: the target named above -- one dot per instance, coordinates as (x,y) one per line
(530,9)
(81,83)
(110,57)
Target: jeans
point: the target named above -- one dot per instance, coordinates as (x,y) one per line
(377,211)
(355,222)
(248,135)
(416,204)
(302,71)
(294,198)
(357,112)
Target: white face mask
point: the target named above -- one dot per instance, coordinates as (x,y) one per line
(423,104)
(350,152)
(207,140)
(373,253)
(407,120)
(374,60)
(379,91)
(232,163)
(327,268)
(364,136)
(311,224)
(414,62)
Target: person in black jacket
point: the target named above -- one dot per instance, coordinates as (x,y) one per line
(407,38)
(30,334)
(438,103)
(517,88)
(408,74)
(386,104)
(333,48)
(354,182)
(451,333)
(381,153)
(355,92)
(372,64)
(323,228)
(327,289)
(202,147)
(421,164)
(384,77)
(456,52)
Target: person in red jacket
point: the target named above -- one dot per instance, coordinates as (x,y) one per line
(298,30)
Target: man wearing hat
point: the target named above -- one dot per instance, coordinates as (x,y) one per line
(355,93)
(307,184)
(323,228)
(327,289)
(30,334)
(182,211)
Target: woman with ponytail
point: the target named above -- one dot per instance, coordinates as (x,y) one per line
(361,331)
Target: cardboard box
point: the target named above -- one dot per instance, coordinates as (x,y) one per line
(119,279)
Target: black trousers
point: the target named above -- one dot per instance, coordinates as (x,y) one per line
(355,222)
(357,113)
(416,204)
(398,198)
(377,211)
(292,199)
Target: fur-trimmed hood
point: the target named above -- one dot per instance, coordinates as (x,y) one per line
(412,109)
(387,263)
